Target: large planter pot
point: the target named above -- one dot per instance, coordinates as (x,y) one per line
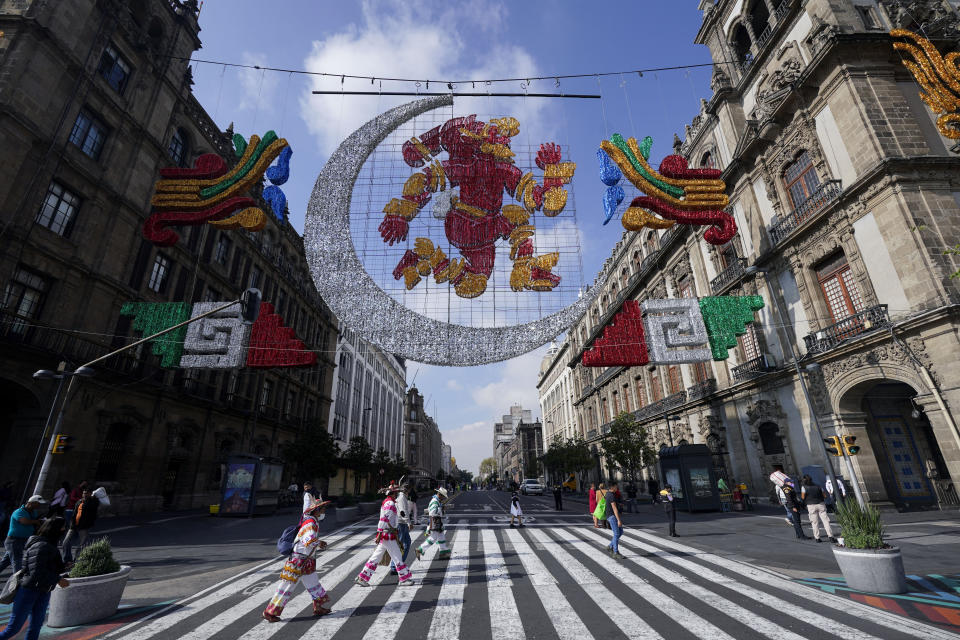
(366,508)
(872,570)
(346,514)
(87,599)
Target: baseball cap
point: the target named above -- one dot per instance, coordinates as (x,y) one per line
(37,498)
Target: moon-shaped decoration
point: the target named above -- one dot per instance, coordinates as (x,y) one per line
(359,302)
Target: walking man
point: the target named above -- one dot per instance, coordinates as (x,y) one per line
(812,495)
(403,524)
(558,497)
(301,566)
(653,488)
(23,523)
(435,525)
(387,541)
(666,497)
(838,496)
(84,517)
(612,515)
(310,495)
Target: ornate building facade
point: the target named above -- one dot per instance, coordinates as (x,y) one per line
(845,196)
(555,388)
(95,98)
(422,443)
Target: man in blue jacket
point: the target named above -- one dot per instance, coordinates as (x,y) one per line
(23,523)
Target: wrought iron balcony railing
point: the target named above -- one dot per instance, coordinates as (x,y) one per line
(850,327)
(731,274)
(662,406)
(701,389)
(751,368)
(825,194)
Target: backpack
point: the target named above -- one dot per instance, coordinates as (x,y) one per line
(287,538)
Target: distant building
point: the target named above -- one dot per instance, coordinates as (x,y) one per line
(517,440)
(446,458)
(556,388)
(421,441)
(368,394)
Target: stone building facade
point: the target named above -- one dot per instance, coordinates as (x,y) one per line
(555,389)
(421,441)
(95,98)
(368,394)
(845,194)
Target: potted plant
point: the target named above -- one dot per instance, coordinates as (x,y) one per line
(866,561)
(370,503)
(347,508)
(96,586)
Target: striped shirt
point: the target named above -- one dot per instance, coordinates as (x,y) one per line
(388,519)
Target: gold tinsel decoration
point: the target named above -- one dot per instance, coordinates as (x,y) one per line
(938,76)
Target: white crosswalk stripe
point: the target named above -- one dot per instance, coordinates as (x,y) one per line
(661,589)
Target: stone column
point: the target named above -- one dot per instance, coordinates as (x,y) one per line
(865,464)
(946,440)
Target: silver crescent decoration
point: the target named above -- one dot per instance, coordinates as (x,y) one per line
(359,302)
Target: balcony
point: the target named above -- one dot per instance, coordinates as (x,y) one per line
(607,374)
(268,412)
(702,389)
(591,434)
(751,369)
(648,262)
(657,408)
(850,327)
(729,275)
(825,194)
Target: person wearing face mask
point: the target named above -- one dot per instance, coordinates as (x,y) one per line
(301,566)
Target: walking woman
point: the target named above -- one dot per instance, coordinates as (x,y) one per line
(42,569)
(592,497)
(515,510)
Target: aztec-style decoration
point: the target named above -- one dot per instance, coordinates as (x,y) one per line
(220,341)
(479,162)
(674,194)
(209,193)
(362,305)
(672,331)
(938,77)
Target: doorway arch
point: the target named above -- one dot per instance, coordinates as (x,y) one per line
(22,419)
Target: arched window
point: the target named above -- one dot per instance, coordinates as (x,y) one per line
(759,19)
(178,148)
(740,43)
(108,467)
(800,179)
(624,276)
(840,290)
(706,161)
(651,243)
(770,438)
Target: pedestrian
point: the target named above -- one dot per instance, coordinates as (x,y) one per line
(722,485)
(812,495)
(42,572)
(612,516)
(412,497)
(310,494)
(631,497)
(386,540)
(403,525)
(301,566)
(84,517)
(653,488)
(59,503)
(6,502)
(23,524)
(745,496)
(76,494)
(515,510)
(841,494)
(435,533)
(558,497)
(602,488)
(792,502)
(670,508)
(592,502)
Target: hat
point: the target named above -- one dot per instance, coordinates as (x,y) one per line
(315,504)
(392,488)
(37,498)
(442,492)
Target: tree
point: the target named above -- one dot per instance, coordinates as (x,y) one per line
(357,457)
(465,477)
(627,447)
(313,455)
(381,461)
(488,467)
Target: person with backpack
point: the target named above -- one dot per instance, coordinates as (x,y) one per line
(611,498)
(435,525)
(301,566)
(386,539)
(666,497)
(42,572)
(813,496)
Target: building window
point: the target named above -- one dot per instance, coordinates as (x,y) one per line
(111,454)
(749,343)
(160,274)
(800,179)
(641,393)
(255,275)
(212,295)
(656,389)
(651,243)
(706,161)
(58,210)
(88,134)
(223,249)
(265,393)
(869,16)
(770,439)
(24,297)
(840,290)
(115,70)
(727,255)
(626,398)
(701,371)
(178,148)
(676,381)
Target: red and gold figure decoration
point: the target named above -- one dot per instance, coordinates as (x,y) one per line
(274,345)
(480,164)
(675,194)
(938,76)
(209,193)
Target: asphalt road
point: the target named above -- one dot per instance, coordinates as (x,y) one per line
(549,579)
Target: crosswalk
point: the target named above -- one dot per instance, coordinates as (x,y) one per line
(536,582)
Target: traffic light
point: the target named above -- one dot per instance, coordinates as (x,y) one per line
(833,446)
(61,444)
(848,444)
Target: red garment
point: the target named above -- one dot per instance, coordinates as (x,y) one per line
(593,500)
(75,496)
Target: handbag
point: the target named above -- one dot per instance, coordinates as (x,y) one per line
(9,592)
(601,509)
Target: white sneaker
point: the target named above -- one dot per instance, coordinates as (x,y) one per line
(789,521)
(407,583)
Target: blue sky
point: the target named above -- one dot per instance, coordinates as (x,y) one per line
(453,40)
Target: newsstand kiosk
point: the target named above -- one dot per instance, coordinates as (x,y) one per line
(688,468)
(251,485)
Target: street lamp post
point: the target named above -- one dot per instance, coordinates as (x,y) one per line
(785,340)
(670,420)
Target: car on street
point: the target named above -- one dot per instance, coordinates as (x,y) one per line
(531,487)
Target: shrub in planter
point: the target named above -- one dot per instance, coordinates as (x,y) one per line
(96,587)
(95,559)
(866,561)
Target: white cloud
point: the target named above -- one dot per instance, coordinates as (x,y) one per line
(470,444)
(517,384)
(453,385)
